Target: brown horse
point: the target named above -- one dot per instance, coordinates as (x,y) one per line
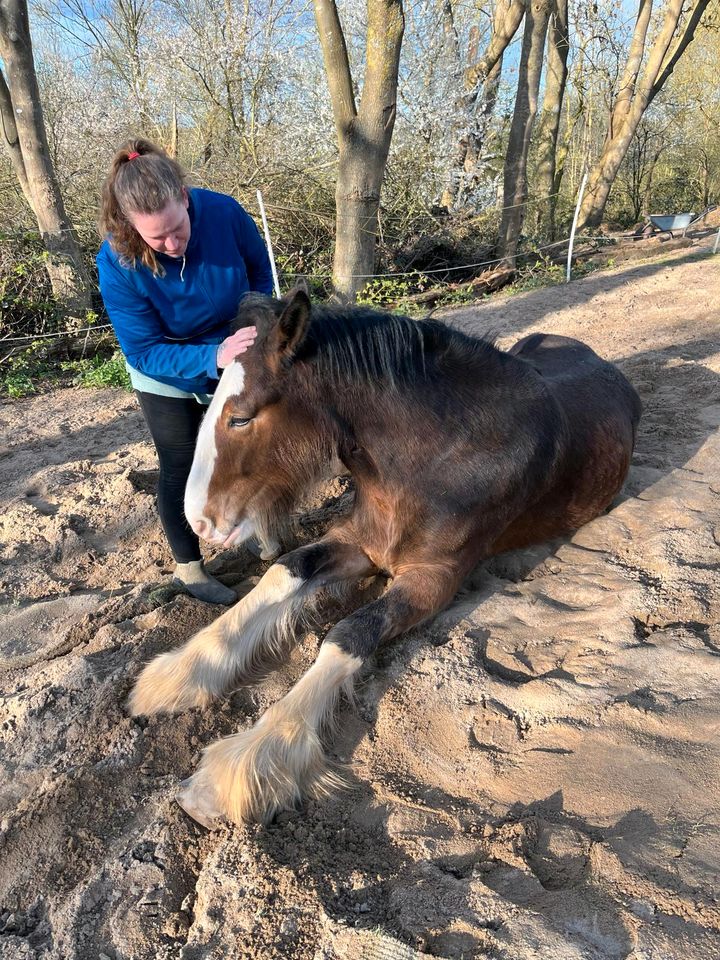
(457,449)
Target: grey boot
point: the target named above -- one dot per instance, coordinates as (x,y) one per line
(201,585)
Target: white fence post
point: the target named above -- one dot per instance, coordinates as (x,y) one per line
(268,243)
(574,225)
(717,240)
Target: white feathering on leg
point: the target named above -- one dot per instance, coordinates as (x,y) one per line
(254,774)
(224,653)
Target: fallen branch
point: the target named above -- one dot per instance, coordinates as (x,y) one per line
(485,283)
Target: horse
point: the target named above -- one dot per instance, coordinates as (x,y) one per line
(458,450)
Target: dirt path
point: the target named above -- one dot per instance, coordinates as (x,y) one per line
(534,775)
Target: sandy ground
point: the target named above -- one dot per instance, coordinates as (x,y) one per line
(533,775)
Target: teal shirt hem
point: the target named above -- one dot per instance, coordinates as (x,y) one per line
(145,384)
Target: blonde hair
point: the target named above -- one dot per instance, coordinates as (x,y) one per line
(142,179)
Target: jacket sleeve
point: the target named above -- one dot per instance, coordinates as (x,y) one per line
(254,253)
(138,327)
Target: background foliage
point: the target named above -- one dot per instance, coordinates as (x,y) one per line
(237,88)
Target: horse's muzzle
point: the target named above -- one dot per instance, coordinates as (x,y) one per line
(205,529)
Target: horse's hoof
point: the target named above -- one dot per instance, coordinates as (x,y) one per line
(271,767)
(167,685)
(271,551)
(265,549)
(198,801)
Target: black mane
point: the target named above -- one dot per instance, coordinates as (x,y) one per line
(354,345)
(361,345)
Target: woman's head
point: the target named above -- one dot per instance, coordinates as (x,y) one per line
(144,204)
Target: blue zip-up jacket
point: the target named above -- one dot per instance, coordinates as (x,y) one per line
(169,327)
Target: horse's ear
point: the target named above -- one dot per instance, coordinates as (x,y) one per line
(293,322)
(301,283)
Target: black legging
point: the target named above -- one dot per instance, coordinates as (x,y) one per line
(174,423)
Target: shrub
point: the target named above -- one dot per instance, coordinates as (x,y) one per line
(35,364)
(385,290)
(542,273)
(99,371)
(25,368)
(26,300)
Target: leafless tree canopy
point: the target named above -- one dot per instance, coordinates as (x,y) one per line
(386,137)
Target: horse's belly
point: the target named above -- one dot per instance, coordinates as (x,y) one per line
(588,480)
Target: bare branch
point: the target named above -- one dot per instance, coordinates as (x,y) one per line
(337,64)
(506,20)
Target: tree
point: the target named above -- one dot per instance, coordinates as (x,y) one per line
(515,191)
(21,108)
(117,31)
(363,133)
(635,177)
(12,140)
(481,80)
(549,125)
(644,76)
(694,150)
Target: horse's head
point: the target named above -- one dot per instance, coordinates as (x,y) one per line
(240,475)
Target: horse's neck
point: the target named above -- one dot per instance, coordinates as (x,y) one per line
(327,413)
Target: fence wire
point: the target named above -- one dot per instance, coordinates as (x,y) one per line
(316,276)
(319,276)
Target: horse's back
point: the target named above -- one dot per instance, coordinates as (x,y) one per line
(601,411)
(585,385)
(559,358)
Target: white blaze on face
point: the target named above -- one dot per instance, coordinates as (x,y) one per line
(203,466)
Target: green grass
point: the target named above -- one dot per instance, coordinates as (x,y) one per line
(24,373)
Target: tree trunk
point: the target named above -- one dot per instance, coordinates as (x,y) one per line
(635,96)
(515,175)
(364,134)
(555,80)
(65,267)
(563,149)
(647,193)
(172,147)
(626,89)
(11,139)
(705,166)
(482,80)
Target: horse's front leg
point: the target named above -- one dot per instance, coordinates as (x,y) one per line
(226,653)
(253,775)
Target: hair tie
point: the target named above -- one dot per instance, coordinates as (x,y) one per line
(133,155)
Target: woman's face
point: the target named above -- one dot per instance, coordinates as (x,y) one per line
(168,230)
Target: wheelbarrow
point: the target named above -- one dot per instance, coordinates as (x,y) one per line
(675,221)
(667,223)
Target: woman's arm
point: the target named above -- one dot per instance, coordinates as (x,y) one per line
(139,330)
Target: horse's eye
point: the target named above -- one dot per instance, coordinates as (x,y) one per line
(239,421)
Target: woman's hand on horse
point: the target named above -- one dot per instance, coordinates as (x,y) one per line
(235,344)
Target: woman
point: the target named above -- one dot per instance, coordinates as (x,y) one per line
(173,266)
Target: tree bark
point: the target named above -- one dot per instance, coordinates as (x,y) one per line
(65,267)
(11,139)
(549,126)
(635,95)
(364,134)
(515,175)
(562,150)
(626,89)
